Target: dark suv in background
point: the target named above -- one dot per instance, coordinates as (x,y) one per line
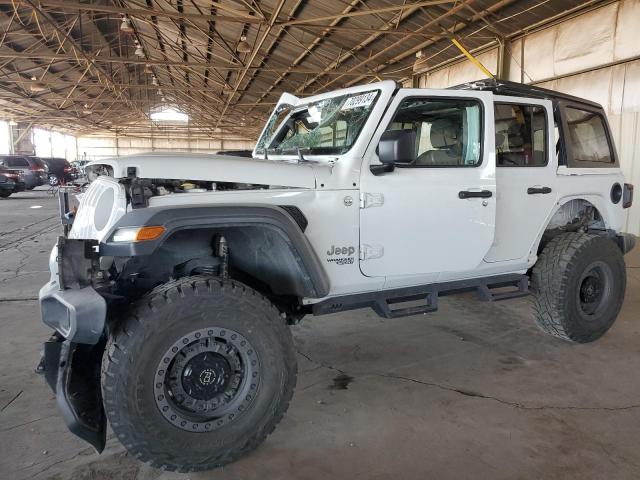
(60,171)
(34,170)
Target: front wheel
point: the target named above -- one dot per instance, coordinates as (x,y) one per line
(5,193)
(578,285)
(198,374)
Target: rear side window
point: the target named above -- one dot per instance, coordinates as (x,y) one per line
(587,138)
(521,135)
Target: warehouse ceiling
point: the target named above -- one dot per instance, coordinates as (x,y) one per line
(106,65)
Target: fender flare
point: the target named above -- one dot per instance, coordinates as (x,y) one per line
(314,279)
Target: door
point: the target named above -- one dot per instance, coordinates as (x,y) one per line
(437,213)
(525,174)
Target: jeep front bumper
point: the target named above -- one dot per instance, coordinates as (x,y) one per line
(78,315)
(68,303)
(73,373)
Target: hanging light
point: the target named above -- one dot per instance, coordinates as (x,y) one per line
(37,86)
(126,26)
(154,81)
(243,46)
(147,69)
(87,110)
(160,92)
(139,51)
(12,123)
(420,62)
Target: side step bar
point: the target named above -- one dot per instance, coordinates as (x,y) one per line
(490,289)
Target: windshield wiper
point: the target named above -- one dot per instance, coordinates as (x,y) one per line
(300,157)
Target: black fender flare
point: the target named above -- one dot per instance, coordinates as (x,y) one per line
(311,275)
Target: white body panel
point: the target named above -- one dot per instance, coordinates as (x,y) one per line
(220,168)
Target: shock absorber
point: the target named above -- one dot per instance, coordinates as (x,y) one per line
(222,251)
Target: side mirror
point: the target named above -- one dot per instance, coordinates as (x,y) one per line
(396,146)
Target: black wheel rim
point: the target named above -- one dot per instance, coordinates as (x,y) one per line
(594,289)
(206,379)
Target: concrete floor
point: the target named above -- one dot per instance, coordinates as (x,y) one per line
(472,391)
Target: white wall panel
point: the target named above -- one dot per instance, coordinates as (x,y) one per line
(626,41)
(538,55)
(586,41)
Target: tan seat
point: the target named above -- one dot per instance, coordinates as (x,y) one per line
(444,136)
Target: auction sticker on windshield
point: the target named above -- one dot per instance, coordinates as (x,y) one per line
(363,100)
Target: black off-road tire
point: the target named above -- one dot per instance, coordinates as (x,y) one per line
(161,319)
(559,287)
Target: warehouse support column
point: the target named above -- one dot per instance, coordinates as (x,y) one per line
(504,47)
(22,139)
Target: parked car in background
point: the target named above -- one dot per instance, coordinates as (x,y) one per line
(11,181)
(60,171)
(34,170)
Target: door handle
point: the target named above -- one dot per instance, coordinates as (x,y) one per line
(538,190)
(470,194)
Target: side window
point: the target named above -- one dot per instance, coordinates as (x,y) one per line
(587,137)
(521,135)
(448,131)
(18,162)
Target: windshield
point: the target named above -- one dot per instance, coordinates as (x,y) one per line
(273,124)
(329,126)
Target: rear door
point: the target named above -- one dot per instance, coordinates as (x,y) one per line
(437,214)
(525,174)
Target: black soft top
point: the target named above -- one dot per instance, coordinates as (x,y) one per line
(514,89)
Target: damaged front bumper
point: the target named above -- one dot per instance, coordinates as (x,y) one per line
(72,356)
(73,372)
(69,303)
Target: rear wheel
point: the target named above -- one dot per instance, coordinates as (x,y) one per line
(198,374)
(578,284)
(5,193)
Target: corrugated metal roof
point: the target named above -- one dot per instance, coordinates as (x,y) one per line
(88,76)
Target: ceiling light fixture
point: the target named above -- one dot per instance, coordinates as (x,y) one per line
(139,51)
(12,123)
(87,110)
(37,86)
(420,63)
(147,69)
(243,46)
(154,81)
(126,26)
(169,115)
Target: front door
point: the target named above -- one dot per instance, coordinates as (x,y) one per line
(437,213)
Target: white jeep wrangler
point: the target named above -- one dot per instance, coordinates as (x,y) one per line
(172,290)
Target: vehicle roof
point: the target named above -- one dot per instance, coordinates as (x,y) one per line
(514,89)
